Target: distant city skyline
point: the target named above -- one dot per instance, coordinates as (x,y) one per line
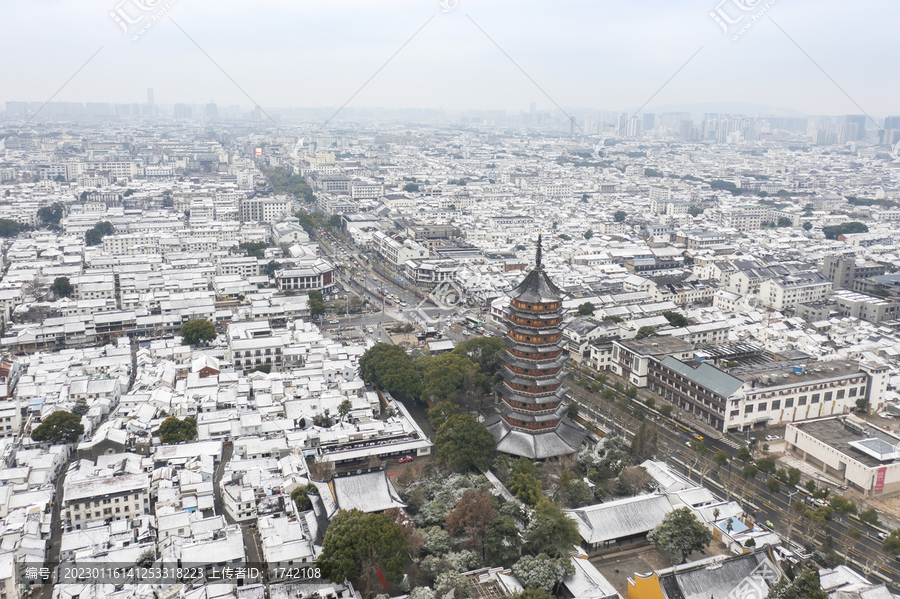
(580,54)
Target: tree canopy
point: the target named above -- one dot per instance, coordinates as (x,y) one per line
(891,543)
(95,235)
(586,309)
(675,319)
(356,541)
(643,445)
(503,542)
(62,287)
(59,427)
(196,330)
(316,303)
(471,518)
(51,215)
(283,181)
(173,430)
(462,442)
(390,368)
(300,496)
(619,216)
(645,331)
(553,533)
(681,533)
(255,249)
(523,483)
(484,351)
(9,228)
(805,585)
(835,231)
(444,375)
(542,571)
(440,412)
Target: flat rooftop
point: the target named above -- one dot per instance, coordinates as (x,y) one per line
(658,345)
(778,374)
(834,433)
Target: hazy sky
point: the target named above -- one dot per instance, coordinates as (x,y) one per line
(596,54)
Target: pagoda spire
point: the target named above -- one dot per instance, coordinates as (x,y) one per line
(537,259)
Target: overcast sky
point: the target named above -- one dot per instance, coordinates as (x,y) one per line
(595,54)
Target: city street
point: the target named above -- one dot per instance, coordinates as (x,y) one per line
(753,494)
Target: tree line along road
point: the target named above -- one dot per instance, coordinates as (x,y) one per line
(866,552)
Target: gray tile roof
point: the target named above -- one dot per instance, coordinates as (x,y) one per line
(715,580)
(564,440)
(369,492)
(622,518)
(708,376)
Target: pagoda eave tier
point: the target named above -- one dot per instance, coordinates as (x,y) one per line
(552,365)
(514,397)
(536,288)
(535,331)
(564,439)
(556,414)
(542,348)
(543,381)
(540,316)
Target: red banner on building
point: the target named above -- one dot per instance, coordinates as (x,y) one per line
(879,479)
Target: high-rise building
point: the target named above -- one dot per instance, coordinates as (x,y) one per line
(623,122)
(687,130)
(649,121)
(571,125)
(182,111)
(150,96)
(860,120)
(532,422)
(588,125)
(634,127)
(849,132)
(532,108)
(890,133)
(212,111)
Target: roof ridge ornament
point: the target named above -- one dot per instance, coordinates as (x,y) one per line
(537,258)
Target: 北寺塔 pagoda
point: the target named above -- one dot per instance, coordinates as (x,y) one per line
(532,419)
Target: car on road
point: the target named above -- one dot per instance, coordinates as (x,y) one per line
(772,437)
(698,437)
(405,459)
(334,321)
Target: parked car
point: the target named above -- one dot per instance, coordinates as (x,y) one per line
(334,321)
(772,437)
(405,459)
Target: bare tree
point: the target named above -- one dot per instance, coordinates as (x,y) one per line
(33,289)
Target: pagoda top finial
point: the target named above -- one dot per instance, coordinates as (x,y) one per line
(537,259)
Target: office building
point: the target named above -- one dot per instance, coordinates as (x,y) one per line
(843,271)
(849,132)
(860,120)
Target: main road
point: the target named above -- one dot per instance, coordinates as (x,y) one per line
(753,493)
